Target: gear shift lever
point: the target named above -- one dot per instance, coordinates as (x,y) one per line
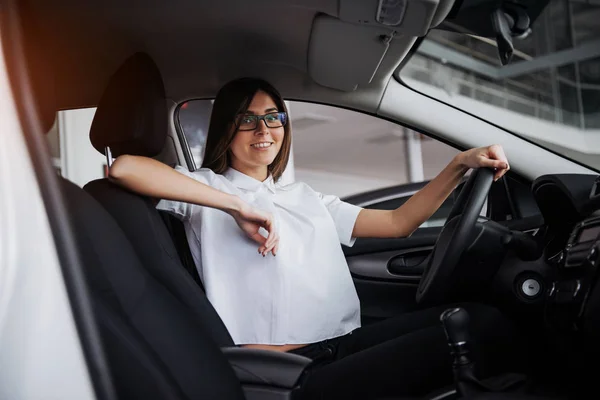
(456,326)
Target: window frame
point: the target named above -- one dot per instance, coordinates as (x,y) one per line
(183,142)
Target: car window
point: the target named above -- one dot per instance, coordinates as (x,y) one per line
(549,93)
(73,155)
(193,117)
(342,152)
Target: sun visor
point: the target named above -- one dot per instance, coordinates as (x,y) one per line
(342,55)
(346,52)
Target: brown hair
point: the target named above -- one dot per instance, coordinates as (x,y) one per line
(233,99)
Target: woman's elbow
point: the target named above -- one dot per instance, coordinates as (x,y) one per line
(407,234)
(120,168)
(404,231)
(403,234)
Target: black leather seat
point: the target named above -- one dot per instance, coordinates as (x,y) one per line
(122,122)
(146,231)
(157,349)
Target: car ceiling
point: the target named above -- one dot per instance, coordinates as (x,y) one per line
(73,46)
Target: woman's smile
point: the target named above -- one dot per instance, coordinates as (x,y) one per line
(261,146)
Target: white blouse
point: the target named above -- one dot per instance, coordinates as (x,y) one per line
(305,294)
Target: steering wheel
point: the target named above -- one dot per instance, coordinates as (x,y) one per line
(456,236)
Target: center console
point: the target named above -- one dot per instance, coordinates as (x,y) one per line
(267,374)
(577,266)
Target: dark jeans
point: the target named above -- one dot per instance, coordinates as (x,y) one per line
(406,355)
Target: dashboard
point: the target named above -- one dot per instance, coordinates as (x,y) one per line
(555,293)
(570,205)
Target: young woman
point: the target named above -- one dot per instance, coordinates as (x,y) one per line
(270,258)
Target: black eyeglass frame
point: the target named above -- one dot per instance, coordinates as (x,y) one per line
(258,118)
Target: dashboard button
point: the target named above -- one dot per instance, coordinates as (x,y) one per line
(530,288)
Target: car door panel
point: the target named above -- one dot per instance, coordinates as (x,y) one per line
(382,299)
(386,272)
(421,237)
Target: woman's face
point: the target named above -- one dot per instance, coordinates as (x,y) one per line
(253,150)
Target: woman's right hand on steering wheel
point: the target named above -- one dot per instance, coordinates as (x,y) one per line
(250,220)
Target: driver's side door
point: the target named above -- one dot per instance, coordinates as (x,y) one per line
(386,272)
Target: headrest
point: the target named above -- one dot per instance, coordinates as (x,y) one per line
(132,114)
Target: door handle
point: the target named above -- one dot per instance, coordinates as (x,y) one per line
(411,263)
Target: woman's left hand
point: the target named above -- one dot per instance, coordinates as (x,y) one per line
(490,157)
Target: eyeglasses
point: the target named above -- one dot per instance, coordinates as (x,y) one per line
(250,122)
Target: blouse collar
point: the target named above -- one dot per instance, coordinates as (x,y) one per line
(246,182)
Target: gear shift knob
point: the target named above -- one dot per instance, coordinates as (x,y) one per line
(456,325)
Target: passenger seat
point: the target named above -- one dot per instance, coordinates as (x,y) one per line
(132,119)
(156,349)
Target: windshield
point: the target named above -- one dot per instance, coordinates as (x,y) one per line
(549,93)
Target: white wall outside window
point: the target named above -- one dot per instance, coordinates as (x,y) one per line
(73,155)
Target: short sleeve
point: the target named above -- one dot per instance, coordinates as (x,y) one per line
(344,216)
(180,209)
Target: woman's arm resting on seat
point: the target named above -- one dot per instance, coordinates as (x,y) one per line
(404,220)
(152,178)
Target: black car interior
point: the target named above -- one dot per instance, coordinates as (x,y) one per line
(163,339)
(160,334)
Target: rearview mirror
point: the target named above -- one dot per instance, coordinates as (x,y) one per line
(501,20)
(509,20)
